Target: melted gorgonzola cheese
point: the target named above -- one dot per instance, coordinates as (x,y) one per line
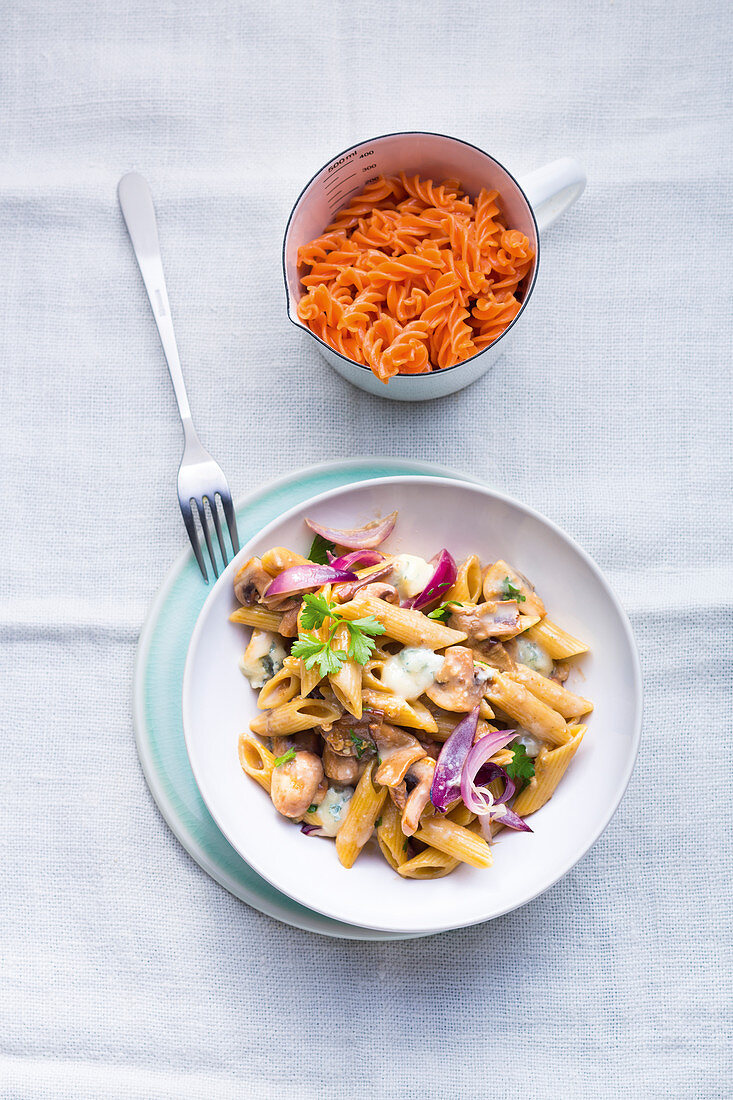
(409,672)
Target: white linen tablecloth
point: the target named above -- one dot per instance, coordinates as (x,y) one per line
(126,972)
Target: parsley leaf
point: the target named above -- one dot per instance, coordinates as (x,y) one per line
(312,808)
(377,823)
(285,758)
(361,645)
(312,649)
(511,592)
(441,613)
(317,552)
(521,766)
(316,609)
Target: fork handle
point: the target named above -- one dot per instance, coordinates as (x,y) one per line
(136,203)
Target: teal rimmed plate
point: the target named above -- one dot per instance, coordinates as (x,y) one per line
(157,684)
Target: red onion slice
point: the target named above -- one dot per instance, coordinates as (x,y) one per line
(358,538)
(313,830)
(446,787)
(513,821)
(304,578)
(443,578)
(487,773)
(479,799)
(357,559)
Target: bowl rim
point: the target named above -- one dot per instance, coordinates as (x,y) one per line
(442,370)
(425,928)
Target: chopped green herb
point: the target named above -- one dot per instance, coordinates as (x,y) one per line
(312,649)
(360,744)
(511,592)
(285,758)
(521,766)
(377,823)
(312,808)
(317,552)
(441,613)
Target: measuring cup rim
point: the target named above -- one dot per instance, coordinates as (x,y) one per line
(409,133)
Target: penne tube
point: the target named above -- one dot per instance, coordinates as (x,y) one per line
(364,809)
(551,692)
(295,715)
(546,690)
(446,720)
(282,687)
(404,625)
(430,863)
(455,840)
(346,683)
(256,760)
(501,582)
(550,767)
(558,643)
(461,815)
(392,841)
(414,715)
(258,617)
(279,558)
(467,586)
(524,708)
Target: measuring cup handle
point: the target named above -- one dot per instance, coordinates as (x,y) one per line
(553,189)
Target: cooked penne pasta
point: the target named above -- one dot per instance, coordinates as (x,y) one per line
(430,863)
(294,716)
(363,811)
(558,643)
(550,767)
(346,683)
(455,840)
(282,687)
(354,711)
(257,616)
(412,628)
(531,713)
(256,760)
(542,687)
(467,586)
(392,841)
(501,582)
(401,713)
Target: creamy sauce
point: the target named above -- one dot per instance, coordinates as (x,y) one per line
(332,811)
(533,656)
(410,575)
(263,657)
(531,745)
(410,671)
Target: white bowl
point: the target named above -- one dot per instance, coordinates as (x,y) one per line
(433,512)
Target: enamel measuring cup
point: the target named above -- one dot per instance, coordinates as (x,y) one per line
(530,205)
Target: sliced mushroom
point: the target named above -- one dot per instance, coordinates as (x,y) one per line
(457,685)
(289,622)
(351,736)
(251,582)
(501,582)
(305,741)
(398,795)
(398,750)
(487,620)
(343,769)
(294,785)
(421,772)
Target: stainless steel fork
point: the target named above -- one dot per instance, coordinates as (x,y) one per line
(200,479)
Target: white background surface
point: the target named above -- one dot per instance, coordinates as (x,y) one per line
(126,971)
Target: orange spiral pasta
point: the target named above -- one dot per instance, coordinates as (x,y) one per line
(413,276)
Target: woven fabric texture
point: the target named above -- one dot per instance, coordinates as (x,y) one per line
(126,971)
